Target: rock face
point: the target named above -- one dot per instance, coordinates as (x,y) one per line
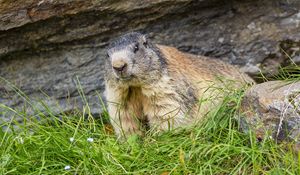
(273,108)
(46,44)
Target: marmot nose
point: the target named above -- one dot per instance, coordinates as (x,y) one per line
(120,68)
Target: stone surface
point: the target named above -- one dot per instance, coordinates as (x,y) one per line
(273,109)
(46,44)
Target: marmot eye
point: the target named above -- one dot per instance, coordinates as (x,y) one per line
(136,48)
(145,44)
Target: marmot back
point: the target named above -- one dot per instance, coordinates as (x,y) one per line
(159,86)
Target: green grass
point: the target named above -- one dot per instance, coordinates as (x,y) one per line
(214,147)
(289,73)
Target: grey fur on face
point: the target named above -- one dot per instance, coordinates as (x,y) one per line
(125,40)
(133,56)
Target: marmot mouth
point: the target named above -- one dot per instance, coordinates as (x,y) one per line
(125,78)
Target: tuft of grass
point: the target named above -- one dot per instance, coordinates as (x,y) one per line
(289,73)
(79,144)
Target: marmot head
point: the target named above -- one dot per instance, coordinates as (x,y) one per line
(133,58)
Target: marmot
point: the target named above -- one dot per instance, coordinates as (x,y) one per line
(160,86)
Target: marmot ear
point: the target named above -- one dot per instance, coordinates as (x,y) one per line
(145,41)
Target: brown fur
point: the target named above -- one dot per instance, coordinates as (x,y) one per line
(172,100)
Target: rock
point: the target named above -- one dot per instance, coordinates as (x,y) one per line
(273,109)
(46,44)
(60,75)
